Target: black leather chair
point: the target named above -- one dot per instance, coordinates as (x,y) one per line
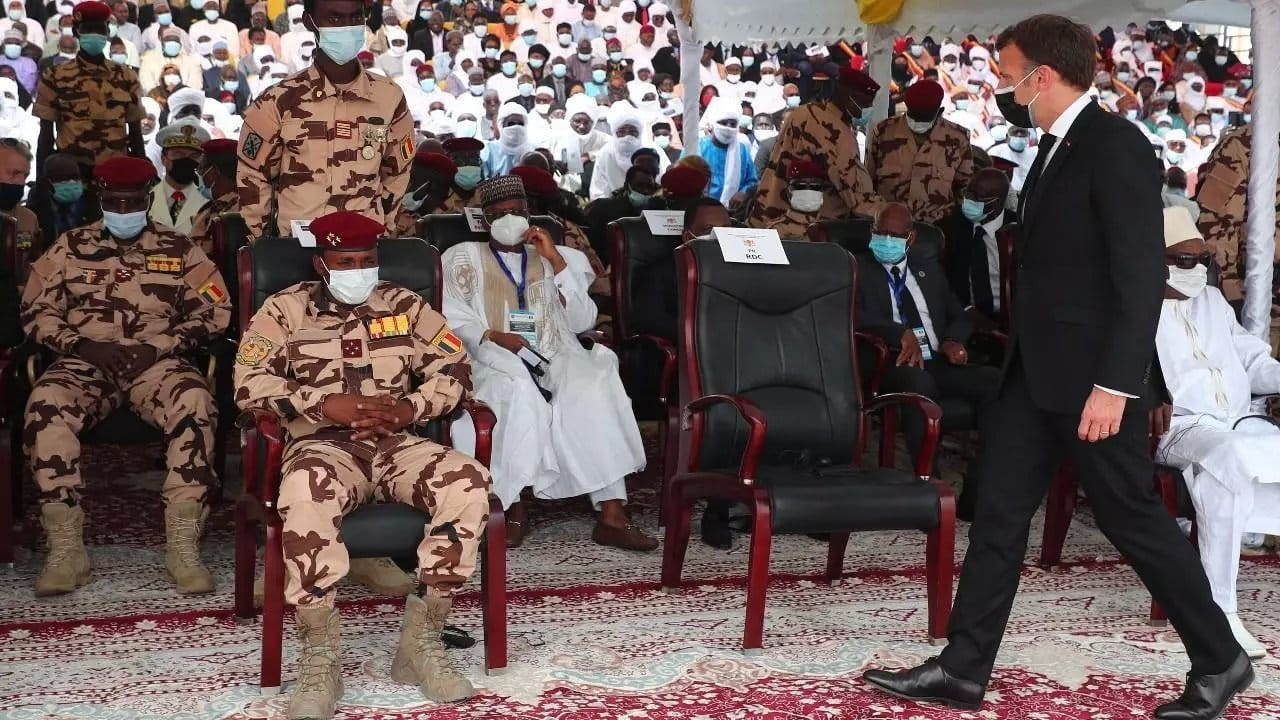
(374,530)
(775,419)
(444,230)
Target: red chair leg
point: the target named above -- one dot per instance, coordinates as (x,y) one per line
(1059,507)
(272,609)
(835,556)
(758,573)
(940,565)
(493,589)
(676,542)
(246,560)
(888,436)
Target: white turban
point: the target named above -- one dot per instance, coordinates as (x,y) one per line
(582,103)
(1179,227)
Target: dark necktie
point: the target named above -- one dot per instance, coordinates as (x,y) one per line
(907,311)
(980,272)
(1037,168)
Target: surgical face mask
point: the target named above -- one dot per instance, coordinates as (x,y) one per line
(1230,91)
(1017,144)
(744,121)
(480,30)
(1123,77)
(341,43)
(125,226)
(529,40)
(584,57)
(477,90)
(1247,83)
(888,249)
(12,51)
(230,85)
(615,56)
(559,70)
(211,15)
(509,230)
(666,95)
(999,132)
(436,113)
(1173,157)
(467,177)
(732,78)
(93,43)
(536,63)
(351,287)
(230,107)
(491,53)
(427,84)
(542,108)
(973,210)
(768,79)
(1188,282)
(597,76)
(1162,130)
(806,201)
(608,36)
(962,104)
(172,79)
(467,128)
(17,15)
(1131,114)
(1169,95)
(68,191)
(119,58)
(510,19)
(920,127)
(564,39)
(1220,60)
(67,56)
(793,101)
(508,68)
(724,134)
(917,50)
(1204,130)
(1193,55)
(67,32)
(1013,111)
(425,13)
(748,61)
(205,191)
(638,199)
(525,89)
(662,141)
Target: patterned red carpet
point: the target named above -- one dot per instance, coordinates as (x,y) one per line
(591,637)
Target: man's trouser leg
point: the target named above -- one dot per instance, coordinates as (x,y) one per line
(174,397)
(70,397)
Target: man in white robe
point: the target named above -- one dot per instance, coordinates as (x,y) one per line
(565,424)
(1225,445)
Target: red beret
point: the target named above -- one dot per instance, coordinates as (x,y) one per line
(364,55)
(858,81)
(92,11)
(462,145)
(435,161)
(899,45)
(1005,166)
(806,169)
(219,146)
(536,180)
(684,181)
(923,98)
(125,172)
(344,231)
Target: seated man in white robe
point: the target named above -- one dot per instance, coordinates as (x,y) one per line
(1226,446)
(565,424)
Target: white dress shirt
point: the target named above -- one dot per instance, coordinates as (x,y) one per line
(989,230)
(917,295)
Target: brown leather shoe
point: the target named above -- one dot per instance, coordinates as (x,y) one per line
(515,534)
(626,538)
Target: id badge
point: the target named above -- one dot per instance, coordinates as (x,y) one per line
(523,323)
(922,339)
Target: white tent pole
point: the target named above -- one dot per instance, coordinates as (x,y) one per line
(690,80)
(1264,158)
(879,54)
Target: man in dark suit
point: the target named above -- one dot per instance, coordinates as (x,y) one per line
(903,298)
(1089,283)
(974,232)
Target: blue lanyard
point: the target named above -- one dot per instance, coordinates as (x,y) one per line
(524,273)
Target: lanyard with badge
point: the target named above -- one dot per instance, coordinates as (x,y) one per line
(520,321)
(898,286)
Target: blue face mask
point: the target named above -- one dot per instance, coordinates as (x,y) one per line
(468,177)
(68,191)
(536,63)
(597,76)
(793,101)
(12,51)
(93,43)
(638,199)
(564,39)
(559,70)
(508,68)
(425,13)
(205,190)
(165,18)
(491,53)
(973,210)
(125,226)
(172,48)
(888,249)
(1017,144)
(341,43)
(427,84)
(230,85)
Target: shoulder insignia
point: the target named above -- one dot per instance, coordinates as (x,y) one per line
(211,293)
(164,264)
(447,341)
(253,350)
(406,147)
(251,146)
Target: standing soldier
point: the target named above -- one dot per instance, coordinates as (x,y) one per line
(919,159)
(122,301)
(337,360)
(217,184)
(92,100)
(331,137)
(825,133)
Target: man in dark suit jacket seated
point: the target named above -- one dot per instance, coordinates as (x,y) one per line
(974,232)
(904,298)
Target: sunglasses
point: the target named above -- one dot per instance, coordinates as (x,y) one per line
(1186,261)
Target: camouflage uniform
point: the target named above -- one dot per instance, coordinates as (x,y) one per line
(26,241)
(301,348)
(91,105)
(456,203)
(793,224)
(161,290)
(206,214)
(820,132)
(308,148)
(927,179)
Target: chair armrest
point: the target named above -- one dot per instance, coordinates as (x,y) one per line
(881,349)
(932,423)
(264,441)
(484,420)
(668,351)
(748,411)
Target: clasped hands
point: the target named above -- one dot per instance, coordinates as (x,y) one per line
(124,362)
(371,416)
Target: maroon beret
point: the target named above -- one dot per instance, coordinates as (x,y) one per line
(123,171)
(856,80)
(346,231)
(805,170)
(684,181)
(462,145)
(435,161)
(92,11)
(923,98)
(219,146)
(537,181)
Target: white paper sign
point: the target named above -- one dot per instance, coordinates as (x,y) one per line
(475,220)
(751,246)
(664,222)
(302,231)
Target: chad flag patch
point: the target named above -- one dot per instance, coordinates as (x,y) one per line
(389,326)
(164,264)
(211,293)
(447,341)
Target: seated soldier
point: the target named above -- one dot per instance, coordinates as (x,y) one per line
(973,254)
(904,299)
(465,154)
(430,183)
(683,185)
(565,425)
(122,301)
(216,181)
(544,199)
(1226,448)
(337,360)
(805,195)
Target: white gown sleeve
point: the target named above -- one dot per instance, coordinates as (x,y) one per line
(1254,353)
(463,319)
(572,282)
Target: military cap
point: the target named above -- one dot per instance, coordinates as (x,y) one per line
(219,146)
(499,189)
(345,231)
(462,145)
(805,170)
(644,152)
(923,98)
(857,80)
(536,180)
(184,133)
(435,161)
(123,171)
(684,181)
(92,11)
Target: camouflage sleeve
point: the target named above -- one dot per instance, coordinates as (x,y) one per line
(259,157)
(45,106)
(396,162)
(261,371)
(44,301)
(963,163)
(440,362)
(135,113)
(206,308)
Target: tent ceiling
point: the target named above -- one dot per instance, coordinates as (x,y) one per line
(1214,12)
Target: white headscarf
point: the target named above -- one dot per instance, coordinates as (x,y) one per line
(513,140)
(718,111)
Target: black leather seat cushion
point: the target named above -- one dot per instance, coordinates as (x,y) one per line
(383,529)
(847,498)
(444,230)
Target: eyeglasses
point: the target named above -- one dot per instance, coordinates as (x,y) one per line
(1186,261)
(492,217)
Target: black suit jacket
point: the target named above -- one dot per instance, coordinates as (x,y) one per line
(958,231)
(1090,272)
(875,302)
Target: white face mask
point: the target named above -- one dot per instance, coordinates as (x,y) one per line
(725,134)
(625,145)
(920,127)
(509,230)
(1189,282)
(806,201)
(768,79)
(352,287)
(514,135)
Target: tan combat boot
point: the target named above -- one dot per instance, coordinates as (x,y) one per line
(183,523)
(319,686)
(420,658)
(67,565)
(380,575)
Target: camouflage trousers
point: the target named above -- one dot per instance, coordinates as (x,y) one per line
(323,479)
(73,396)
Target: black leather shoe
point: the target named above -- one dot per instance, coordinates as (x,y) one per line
(1207,696)
(929,683)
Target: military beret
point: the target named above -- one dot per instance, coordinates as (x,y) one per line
(219,146)
(923,98)
(644,152)
(500,189)
(858,81)
(536,180)
(684,181)
(462,145)
(805,170)
(435,161)
(123,171)
(364,55)
(184,133)
(92,11)
(345,231)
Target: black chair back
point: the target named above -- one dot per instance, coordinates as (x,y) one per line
(778,335)
(444,230)
(643,271)
(229,233)
(854,235)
